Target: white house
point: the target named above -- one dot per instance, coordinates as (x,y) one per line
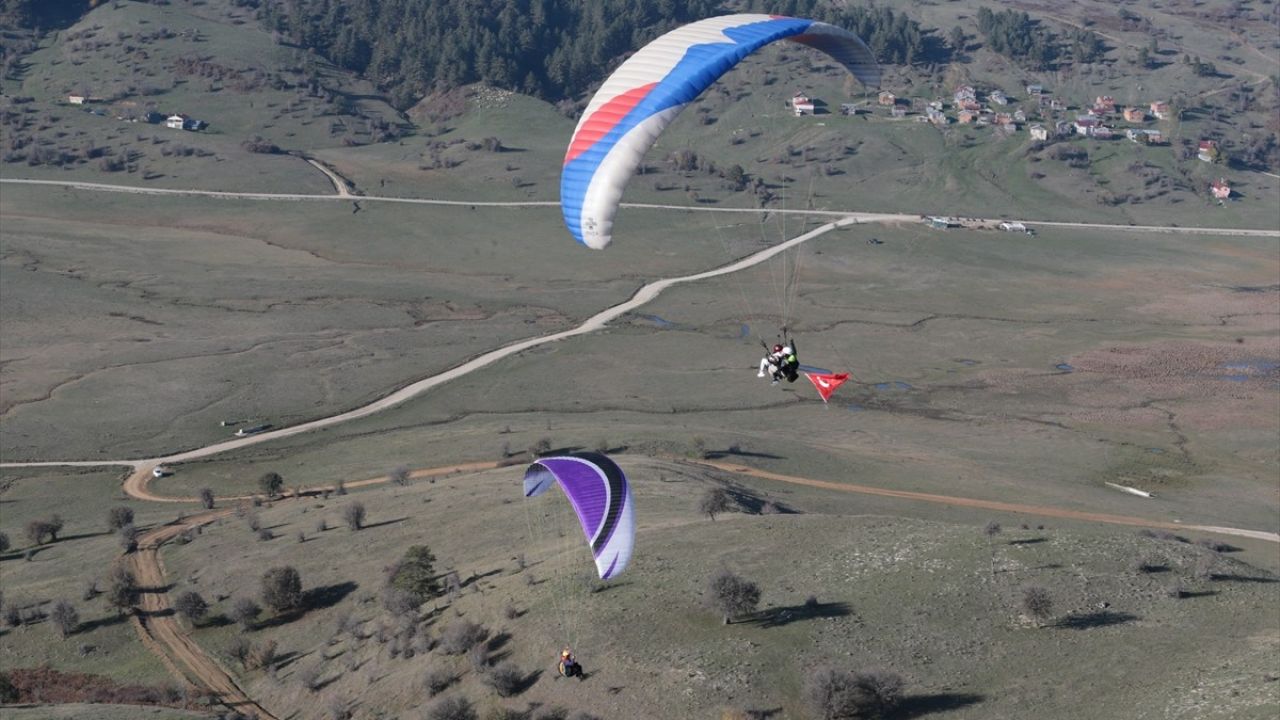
(76,99)
(1038,132)
(801,105)
(177,122)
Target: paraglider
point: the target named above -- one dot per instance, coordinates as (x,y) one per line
(781,362)
(647,92)
(568,665)
(601,497)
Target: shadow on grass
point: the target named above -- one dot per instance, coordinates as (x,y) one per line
(528,681)
(326,596)
(737,452)
(779,616)
(370,526)
(105,621)
(1186,594)
(214,621)
(1029,541)
(1232,577)
(1101,618)
(477,577)
(914,706)
(497,642)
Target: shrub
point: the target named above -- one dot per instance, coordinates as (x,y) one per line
(239,649)
(399,602)
(262,656)
(122,589)
(118,517)
(4,543)
(1038,602)
(282,589)
(1148,564)
(505,679)
(837,694)
(338,708)
(191,606)
(321,525)
(65,617)
(206,498)
(437,681)
(310,677)
(340,488)
(54,524)
(713,502)
(454,707)
(461,636)
(264,535)
(37,532)
(245,612)
(732,595)
(271,483)
(353,515)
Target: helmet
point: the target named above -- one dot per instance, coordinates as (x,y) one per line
(777,348)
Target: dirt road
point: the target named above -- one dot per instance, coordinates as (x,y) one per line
(160,629)
(1039,510)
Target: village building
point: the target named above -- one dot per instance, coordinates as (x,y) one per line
(1086,125)
(1208,151)
(1035,89)
(898,111)
(886,98)
(964,117)
(1220,189)
(1038,132)
(1144,136)
(936,116)
(176,121)
(802,105)
(1102,132)
(1134,114)
(998,97)
(965,92)
(849,109)
(76,99)
(1063,128)
(1105,103)
(1160,109)
(1003,119)
(1019,116)
(1013,227)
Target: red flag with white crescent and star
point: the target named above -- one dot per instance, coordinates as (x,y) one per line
(826,384)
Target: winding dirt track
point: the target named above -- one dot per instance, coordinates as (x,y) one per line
(160,630)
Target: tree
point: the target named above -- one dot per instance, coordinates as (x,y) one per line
(271,483)
(353,514)
(37,531)
(505,679)
(55,526)
(452,707)
(991,531)
(119,516)
(956,38)
(416,574)
(128,538)
(65,617)
(122,589)
(4,543)
(206,498)
(282,589)
(732,595)
(1038,602)
(191,606)
(245,612)
(713,502)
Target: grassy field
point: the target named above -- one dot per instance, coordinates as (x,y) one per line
(100,712)
(919,597)
(106,643)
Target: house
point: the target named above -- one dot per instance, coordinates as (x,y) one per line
(1019,116)
(898,111)
(1062,128)
(802,105)
(937,105)
(965,92)
(1154,137)
(176,121)
(1144,136)
(152,117)
(935,116)
(76,99)
(1003,119)
(1160,109)
(967,116)
(1208,151)
(848,108)
(1086,125)
(1038,132)
(941,223)
(1106,103)
(1102,132)
(1056,104)
(1134,114)
(1035,89)
(1220,189)
(886,98)
(1013,227)
(970,105)
(998,98)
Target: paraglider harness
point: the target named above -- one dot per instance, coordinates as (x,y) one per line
(788,366)
(568,666)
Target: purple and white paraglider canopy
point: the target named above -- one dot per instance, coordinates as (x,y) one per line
(600,495)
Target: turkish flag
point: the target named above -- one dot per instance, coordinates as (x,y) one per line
(826,384)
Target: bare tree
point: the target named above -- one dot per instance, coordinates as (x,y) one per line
(1038,602)
(353,514)
(65,617)
(122,589)
(37,532)
(4,543)
(206,498)
(400,476)
(991,531)
(191,606)
(732,595)
(245,612)
(461,636)
(713,502)
(452,707)
(835,694)
(128,537)
(505,679)
(437,681)
(119,516)
(54,524)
